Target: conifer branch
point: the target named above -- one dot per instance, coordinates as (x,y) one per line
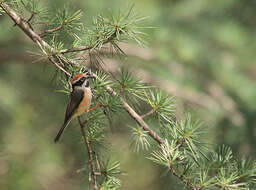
(90,154)
(137,117)
(79,49)
(86,48)
(24,26)
(36,38)
(44,45)
(61,62)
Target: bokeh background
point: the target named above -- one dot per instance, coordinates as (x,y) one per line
(200,51)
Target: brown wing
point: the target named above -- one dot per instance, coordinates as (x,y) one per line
(74,100)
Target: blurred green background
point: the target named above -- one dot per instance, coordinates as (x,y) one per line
(201,51)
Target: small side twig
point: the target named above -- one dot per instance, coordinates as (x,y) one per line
(181,178)
(51,31)
(148,113)
(90,154)
(31,17)
(79,49)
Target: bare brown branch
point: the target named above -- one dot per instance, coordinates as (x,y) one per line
(136,117)
(90,154)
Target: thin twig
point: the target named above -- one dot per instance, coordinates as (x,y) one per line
(90,154)
(181,178)
(31,17)
(51,59)
(61,68)
(148,113)
(51,31)
(79,49)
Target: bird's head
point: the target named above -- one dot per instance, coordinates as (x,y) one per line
(81,80)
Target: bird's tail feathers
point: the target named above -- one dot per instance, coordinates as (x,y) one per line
(57,138)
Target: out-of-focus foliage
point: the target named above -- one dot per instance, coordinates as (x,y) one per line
(201,51)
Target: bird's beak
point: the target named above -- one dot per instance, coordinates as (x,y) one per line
(90,77)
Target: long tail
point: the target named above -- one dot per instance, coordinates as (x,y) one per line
(57,138)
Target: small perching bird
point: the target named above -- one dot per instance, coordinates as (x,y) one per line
(79,100)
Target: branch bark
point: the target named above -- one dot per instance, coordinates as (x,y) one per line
(137,118)
(23,25)
(90,154)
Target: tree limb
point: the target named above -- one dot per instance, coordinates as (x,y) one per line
(90,154)
(137,118)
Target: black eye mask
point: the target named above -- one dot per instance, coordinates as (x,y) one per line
(80,82)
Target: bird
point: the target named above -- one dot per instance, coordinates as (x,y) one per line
(79,100)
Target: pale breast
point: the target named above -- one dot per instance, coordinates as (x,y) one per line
(85,103)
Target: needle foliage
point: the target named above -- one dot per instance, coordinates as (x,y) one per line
(184,152)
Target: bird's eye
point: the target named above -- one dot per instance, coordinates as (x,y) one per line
(82,79)
(86,84)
